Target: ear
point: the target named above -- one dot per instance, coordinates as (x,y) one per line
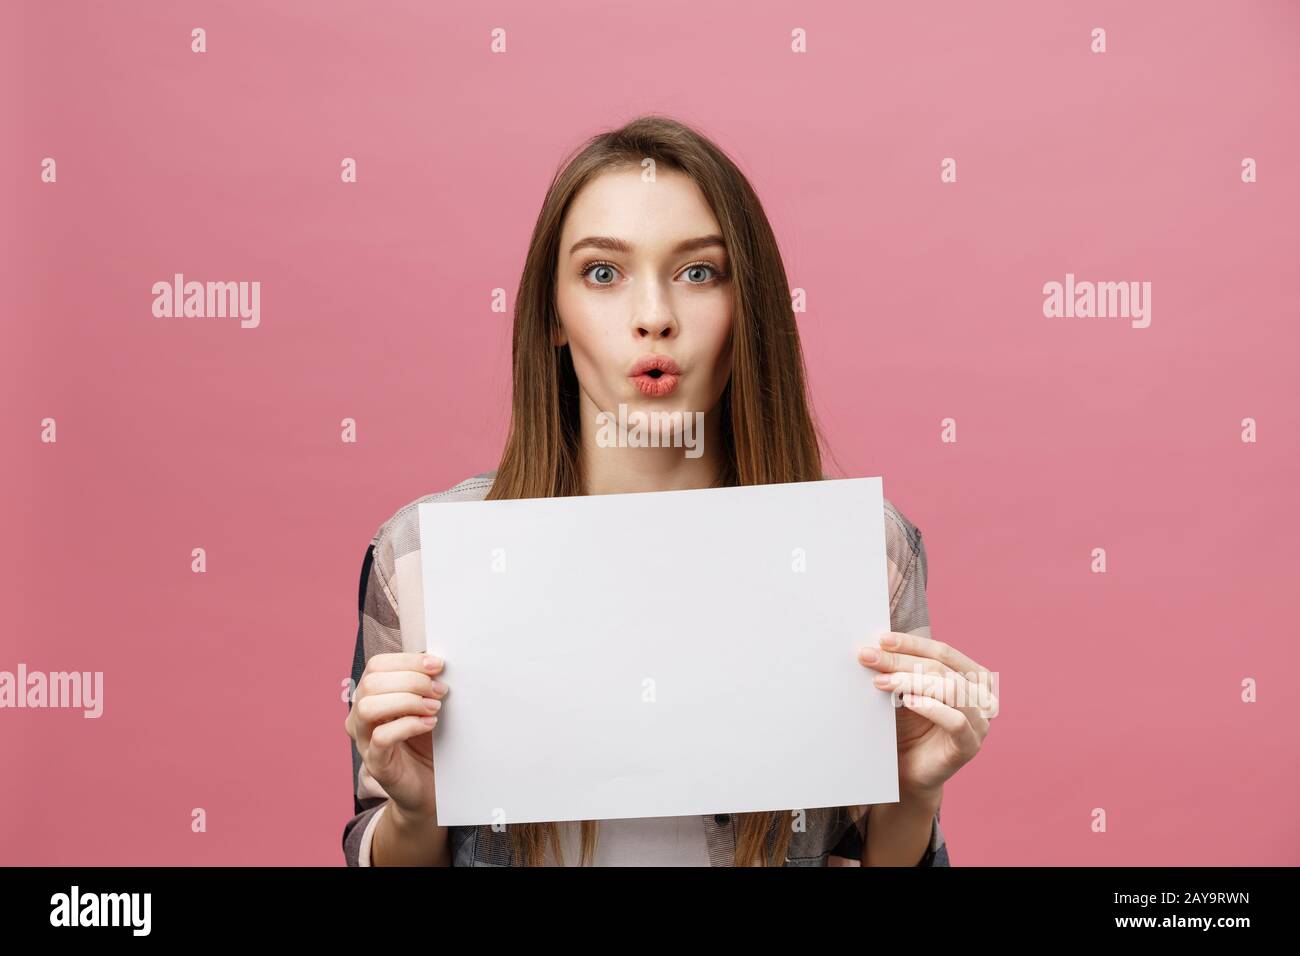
(559,338)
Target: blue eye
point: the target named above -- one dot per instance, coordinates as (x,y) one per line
(703,266)
(600,267)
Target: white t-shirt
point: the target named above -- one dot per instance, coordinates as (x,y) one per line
(638,841)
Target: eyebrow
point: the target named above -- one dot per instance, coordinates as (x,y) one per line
(614,244)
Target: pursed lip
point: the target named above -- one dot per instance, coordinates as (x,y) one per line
(655,375)
(653,362)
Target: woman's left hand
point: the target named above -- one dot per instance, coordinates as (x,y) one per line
(947,700)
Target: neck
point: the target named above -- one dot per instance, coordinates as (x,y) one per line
(613,459)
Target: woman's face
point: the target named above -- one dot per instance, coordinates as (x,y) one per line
(643,280)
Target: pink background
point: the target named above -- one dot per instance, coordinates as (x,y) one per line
(222,690)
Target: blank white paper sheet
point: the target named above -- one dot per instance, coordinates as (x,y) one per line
(660,653)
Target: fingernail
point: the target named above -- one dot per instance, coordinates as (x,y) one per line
(432,705)
(439,688)
(889,640)
(429,720)
(432,663)
(884,680)
(870,655)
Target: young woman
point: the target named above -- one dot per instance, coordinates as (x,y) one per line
(653,279)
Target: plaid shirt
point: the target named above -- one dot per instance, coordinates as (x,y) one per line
(391,618)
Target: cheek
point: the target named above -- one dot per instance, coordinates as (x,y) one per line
(717,336)
(590,344)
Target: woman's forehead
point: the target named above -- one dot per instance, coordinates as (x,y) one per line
(621,204)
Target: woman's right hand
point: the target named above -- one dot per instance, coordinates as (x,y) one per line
(394,709)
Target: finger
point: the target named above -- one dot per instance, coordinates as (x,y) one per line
(971,699)
(883,660)
(427,663)
(946,654)
(388,682)
(953,689)
(389,735)
(949,719)
(376,709)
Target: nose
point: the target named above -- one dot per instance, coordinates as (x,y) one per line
(660,325)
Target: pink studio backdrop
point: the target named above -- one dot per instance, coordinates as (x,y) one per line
(223,690)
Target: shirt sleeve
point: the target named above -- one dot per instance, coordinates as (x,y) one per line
(909,612)
(378,632)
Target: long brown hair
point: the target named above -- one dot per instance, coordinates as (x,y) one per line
(767,430)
